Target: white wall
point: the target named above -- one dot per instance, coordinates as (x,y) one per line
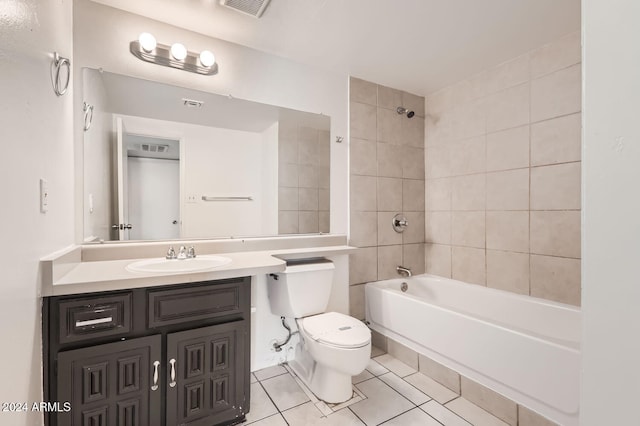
(270,180)
(38,143)
(102,37)
(611,213)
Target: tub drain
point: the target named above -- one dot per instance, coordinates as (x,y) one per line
(404,287)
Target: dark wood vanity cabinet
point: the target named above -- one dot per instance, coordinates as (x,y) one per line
(161,356)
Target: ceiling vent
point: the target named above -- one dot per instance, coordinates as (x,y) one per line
(152,147)
(254,8)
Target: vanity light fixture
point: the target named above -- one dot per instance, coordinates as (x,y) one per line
(176,56)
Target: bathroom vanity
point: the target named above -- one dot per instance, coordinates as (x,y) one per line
(162,355)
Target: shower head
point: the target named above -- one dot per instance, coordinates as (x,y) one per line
(402,110)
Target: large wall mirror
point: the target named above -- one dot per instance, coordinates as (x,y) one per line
(165,162)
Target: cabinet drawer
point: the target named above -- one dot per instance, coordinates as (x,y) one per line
(92,317)
(194,303)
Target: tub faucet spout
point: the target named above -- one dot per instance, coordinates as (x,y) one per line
(405,272)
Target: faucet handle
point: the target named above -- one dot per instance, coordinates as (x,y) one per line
(191,253)
(182,253)
(171,253)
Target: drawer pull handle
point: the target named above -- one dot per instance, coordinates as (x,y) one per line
(156,364)
(94,321)
(173,372)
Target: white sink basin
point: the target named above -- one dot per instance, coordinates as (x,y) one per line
(161,265)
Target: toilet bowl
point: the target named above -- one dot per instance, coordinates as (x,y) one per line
(333,347)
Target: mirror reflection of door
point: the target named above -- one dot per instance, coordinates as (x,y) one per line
(151,197)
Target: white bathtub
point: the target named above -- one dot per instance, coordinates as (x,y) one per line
(525,348)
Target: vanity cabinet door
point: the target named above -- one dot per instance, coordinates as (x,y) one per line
(112,384)
(206,375)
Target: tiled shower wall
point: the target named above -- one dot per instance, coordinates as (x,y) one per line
(503,152)
(386,177)
(303,179)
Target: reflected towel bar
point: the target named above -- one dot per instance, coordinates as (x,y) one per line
(205,198)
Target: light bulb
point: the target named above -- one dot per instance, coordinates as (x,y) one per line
(178,51)
(207,59)
(147,42)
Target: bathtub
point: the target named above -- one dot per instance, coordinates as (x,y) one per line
(524,348)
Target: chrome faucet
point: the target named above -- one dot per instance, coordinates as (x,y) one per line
(182,253)
(191,253)
(171,253)
(405,272)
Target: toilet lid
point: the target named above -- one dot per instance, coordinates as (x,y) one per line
(337,329)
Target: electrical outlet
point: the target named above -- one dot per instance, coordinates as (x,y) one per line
(44,196)
(192,198)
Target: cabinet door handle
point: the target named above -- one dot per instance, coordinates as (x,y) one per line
(173,372)
(156,365)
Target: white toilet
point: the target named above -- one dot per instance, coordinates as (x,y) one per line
(333,347)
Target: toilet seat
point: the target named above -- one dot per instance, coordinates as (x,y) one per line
(335,329)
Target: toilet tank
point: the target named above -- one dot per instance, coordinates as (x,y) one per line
(303,288)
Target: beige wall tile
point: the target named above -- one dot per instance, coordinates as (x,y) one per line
(508,149)
(324,177)
(527,417)
(363,265)
(557,55)
(287,150)
(362,121)
(557,141)
(324,202)
(556,94)
(505,75)
(389,98)
(468,157)
(307,176)
(491,401)
(555,233)
(324,221)
(508,190)
(412,195)
(438,161)
(403,353)
(288,222)
(413,258)
(438,227)
(415,232)
(439,128)
(508,108)
(468,192)
(390,158)
(413,131)
(363,193)
(379,340)
(468,265)
(556,187)
(308,222)
(468,229)
(438,194)
(414,103)
(308,150)
(439,373)
(324,148)
(288,175)
(556,278)
(508,231)
(356,301)
(364,229)
(363,157)
(413,162)
(469,120)
(438,259)
(389,126)
(287,198)
(387,236)
(508,271)
(363,91)
(389,195)
(389,258)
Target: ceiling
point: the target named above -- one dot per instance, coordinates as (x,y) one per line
(414,45)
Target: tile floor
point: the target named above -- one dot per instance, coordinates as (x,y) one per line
(388,392)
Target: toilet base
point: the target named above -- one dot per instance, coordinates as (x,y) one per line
(326,383)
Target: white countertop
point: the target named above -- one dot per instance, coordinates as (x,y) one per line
(74,277)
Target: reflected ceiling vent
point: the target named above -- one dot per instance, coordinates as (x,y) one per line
(192,103)
(152,147)
(254,8)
